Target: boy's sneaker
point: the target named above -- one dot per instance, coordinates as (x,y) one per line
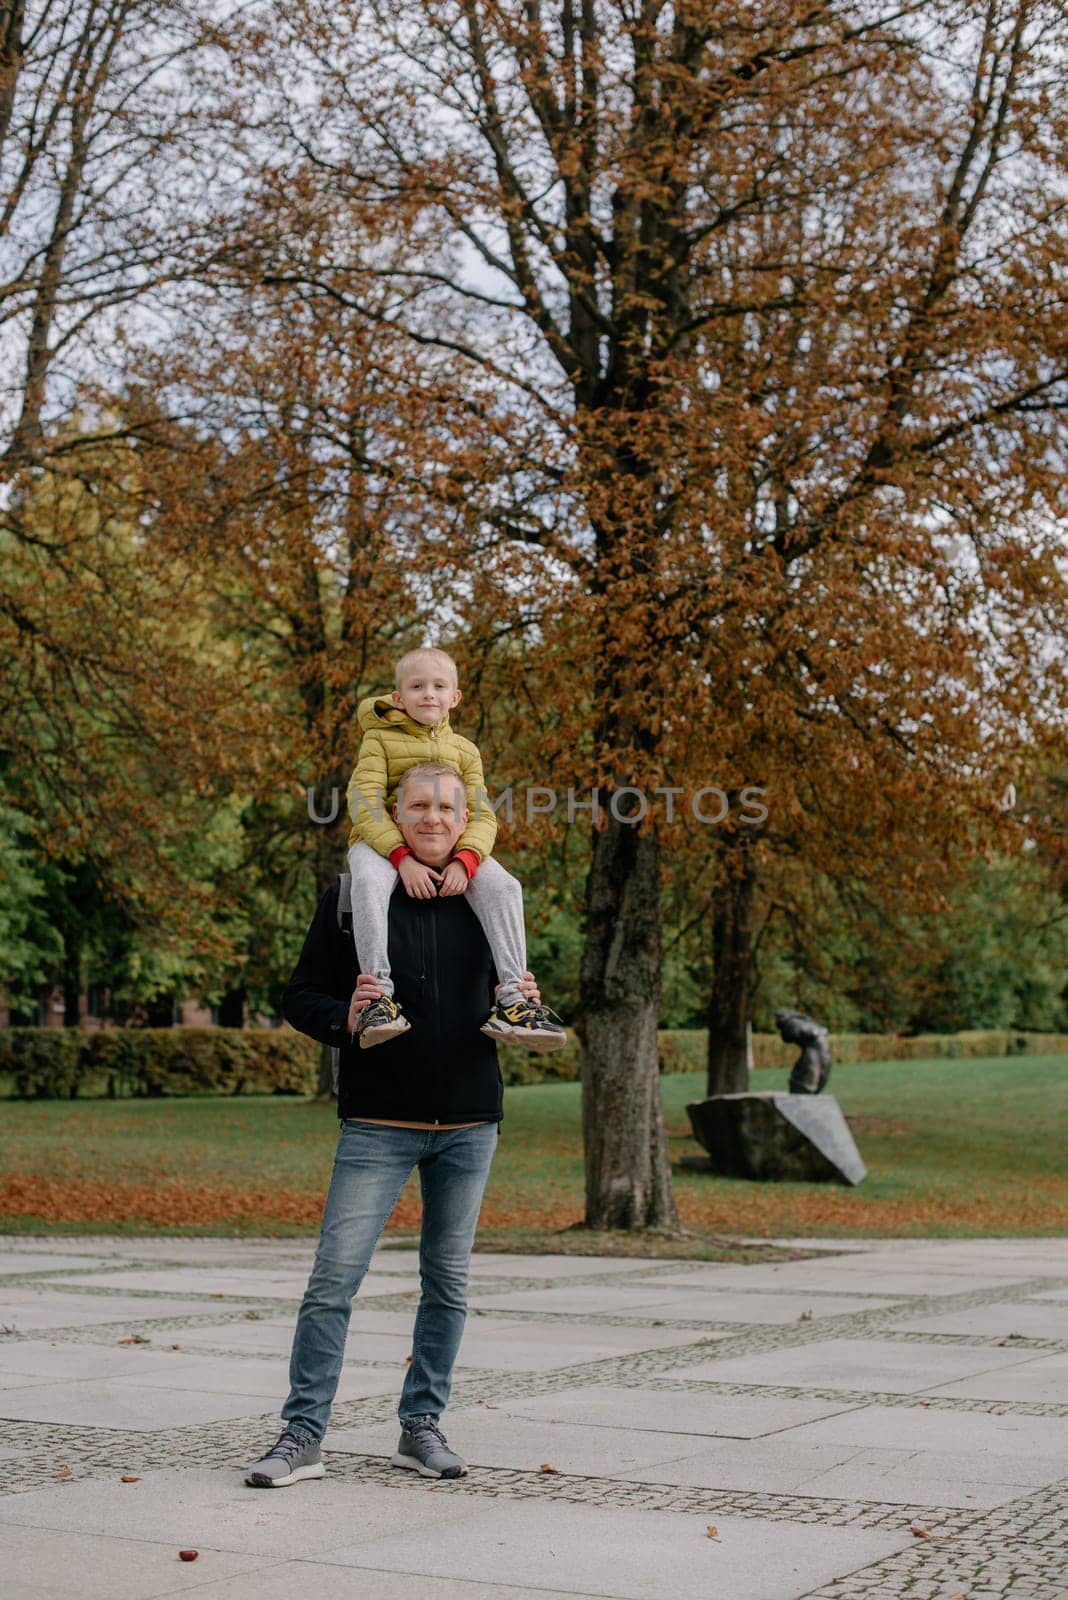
(422,1448)
(290,1460)
(381,1020)
(519,1022)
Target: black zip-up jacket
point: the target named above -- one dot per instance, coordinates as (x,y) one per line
(443,1069)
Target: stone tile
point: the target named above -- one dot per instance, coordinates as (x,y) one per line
(270,1336)
(927,1477)
(836,1472)
(995,1259)
(735,1306)
(237,1283)
(256,1377)
(487,1264)
(760,1466)
(673,1411)
(80,1566)
(629,1554)
(275,1338)
(13,1262)
(832,1246)
(310,1578)
(869,1280)
(233,1282)
(850,1275)
(608,1299)
(18,1380)
(124,1403)
(71,1362)
(1040,1381)
(214,1510)
(1034,1322)
(494,1343)
(871,1365)
(52,1308)
(393,1258)
(1012,1448)
(488,1436)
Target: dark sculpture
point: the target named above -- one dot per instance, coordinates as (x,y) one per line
(813,1066)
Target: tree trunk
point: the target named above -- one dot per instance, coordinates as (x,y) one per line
(628,1175)
(72,977)
(330,861)
(732,984)
(159,1013)
(232,1008)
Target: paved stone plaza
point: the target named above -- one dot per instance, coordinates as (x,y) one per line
(880,1419)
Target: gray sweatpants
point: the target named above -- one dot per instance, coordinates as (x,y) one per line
(493,894)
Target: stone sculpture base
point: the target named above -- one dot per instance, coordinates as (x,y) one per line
(804,1138)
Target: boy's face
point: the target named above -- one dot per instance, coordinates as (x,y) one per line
(427,691)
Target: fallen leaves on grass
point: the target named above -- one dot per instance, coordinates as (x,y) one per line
(178,1203)
(770,1211)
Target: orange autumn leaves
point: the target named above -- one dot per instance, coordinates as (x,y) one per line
(759,1210)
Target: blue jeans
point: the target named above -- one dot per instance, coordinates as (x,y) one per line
(371,1167)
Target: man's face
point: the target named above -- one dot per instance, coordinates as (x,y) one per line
(427,691)
(431,813)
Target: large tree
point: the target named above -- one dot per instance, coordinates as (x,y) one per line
(766,293)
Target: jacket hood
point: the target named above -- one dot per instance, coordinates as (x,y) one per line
(379,711)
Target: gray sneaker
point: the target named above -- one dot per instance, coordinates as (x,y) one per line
(422,1448)
(290,1460)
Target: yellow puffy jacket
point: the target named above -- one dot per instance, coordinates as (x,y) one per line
(393,742)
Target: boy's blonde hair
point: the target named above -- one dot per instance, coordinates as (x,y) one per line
(411,656)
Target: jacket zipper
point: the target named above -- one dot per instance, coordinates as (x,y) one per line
(432,997)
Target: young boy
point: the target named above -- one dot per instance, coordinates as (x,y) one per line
(407,729)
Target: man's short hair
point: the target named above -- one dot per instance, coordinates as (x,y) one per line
(429,769)
(412,656)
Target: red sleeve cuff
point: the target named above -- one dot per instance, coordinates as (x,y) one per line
(397,855)
(470,860)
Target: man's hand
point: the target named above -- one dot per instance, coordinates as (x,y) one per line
(454,879)
(528,987)
(366,990)
(421,882)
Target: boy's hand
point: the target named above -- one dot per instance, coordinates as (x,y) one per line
(366,990)
(528,987)
(421,882)
(454,879)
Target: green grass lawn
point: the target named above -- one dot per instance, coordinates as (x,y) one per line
(952,1147)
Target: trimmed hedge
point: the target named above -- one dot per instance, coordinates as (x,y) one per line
(685,1050)
(63,1063)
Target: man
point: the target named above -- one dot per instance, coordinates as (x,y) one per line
(431,1099)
